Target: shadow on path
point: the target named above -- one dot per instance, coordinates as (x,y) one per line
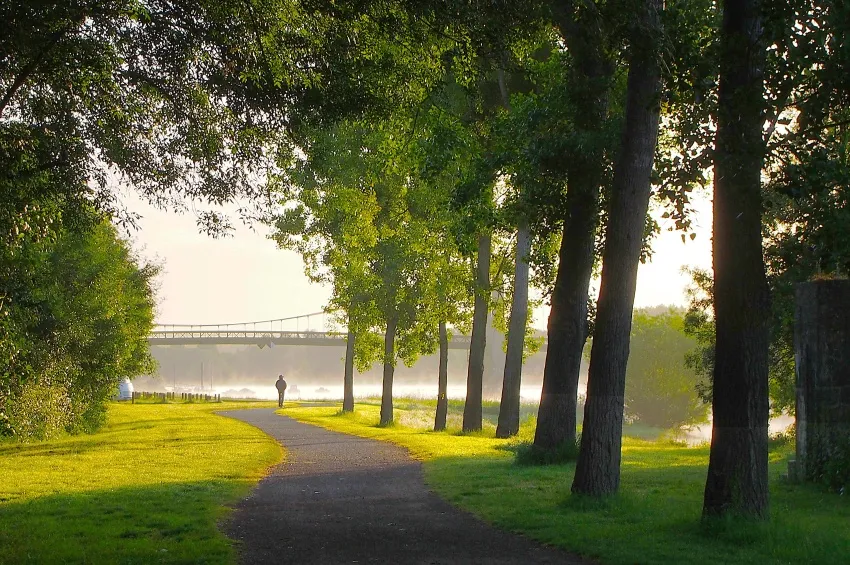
(343,499)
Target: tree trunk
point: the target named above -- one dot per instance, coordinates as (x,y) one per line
(509,406)
(348,379)
(737,468)
(389,370)
(475,374)
(598,467)
(443,381)
(567,326)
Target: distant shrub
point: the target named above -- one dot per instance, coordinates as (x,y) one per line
(788,436)
(528,454)
(661,389)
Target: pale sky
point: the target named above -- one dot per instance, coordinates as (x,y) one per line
(245,277)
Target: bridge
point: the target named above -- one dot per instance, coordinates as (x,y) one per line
(262,333)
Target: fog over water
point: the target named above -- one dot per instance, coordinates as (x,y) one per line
(317,391)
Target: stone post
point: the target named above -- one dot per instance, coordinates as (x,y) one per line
(822,354)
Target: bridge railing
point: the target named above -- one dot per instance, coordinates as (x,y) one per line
(247,334)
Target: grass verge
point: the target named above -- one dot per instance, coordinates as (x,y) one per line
(654,520)
(149,488)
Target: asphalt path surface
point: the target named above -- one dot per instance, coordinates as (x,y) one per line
(343,499)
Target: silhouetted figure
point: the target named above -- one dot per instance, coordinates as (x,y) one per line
(280,385)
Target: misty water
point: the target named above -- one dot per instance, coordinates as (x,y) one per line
(330,392)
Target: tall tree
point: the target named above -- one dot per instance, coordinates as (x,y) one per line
(737,471)
(442,381)
(508,424)
(348,376)
(598,468)
(588,90)
(472,412)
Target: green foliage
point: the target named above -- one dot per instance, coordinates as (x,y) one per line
(660,389)
(40,410)
(366,223)
(191,99)
(77,315)
(699,324)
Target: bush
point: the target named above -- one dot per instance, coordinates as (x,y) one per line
(828,461)
(75,315)
(39,411)
(782,438)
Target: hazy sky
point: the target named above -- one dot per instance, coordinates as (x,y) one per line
(245,277)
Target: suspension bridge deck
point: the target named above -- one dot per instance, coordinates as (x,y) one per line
(263,338)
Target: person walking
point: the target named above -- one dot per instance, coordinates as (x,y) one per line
(280,385)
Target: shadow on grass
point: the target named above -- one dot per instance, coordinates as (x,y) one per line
(169,523)
(656,516)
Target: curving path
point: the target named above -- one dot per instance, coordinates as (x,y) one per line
(344,499)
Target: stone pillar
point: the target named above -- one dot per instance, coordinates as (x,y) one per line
(822,353)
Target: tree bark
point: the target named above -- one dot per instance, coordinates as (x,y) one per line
(737,469)
(389,370)
(475,374)
(567,325)
(509,407)
(598,467)
(348,379)
(443,381)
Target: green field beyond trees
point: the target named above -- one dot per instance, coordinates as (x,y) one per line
(148,488)
(654,519)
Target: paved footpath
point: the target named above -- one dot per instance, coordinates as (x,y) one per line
(342,499)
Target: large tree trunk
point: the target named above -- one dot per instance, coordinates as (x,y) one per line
(389,370)
(598,467)
(442,382)
(348,379)
(509,406)
(567,326)
(737,469)
(475,374)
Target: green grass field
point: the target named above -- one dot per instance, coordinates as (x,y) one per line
(149,488)
(655,518)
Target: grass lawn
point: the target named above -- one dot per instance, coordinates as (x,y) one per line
(149,488)
(654,519)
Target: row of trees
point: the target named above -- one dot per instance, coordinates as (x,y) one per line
(590,83)
(402,139)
